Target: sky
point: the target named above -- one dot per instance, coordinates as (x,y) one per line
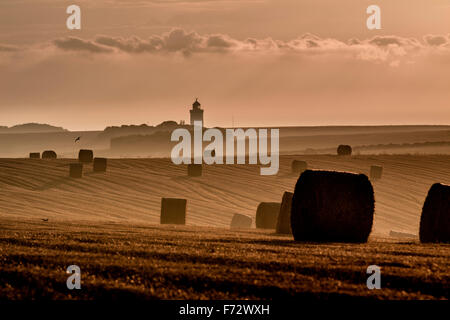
(259,62)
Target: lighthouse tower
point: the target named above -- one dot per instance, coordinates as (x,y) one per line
(196,112)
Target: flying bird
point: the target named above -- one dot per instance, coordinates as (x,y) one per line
(77,139)
(45,220)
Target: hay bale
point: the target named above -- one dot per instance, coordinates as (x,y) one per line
(241,221)
(435,219)
(344,150)
(267,215)
(85,156)
(35,155)
(376,172)
(332,206)
(298,166)
(100,164)
(284,217)
(49,154)
(195,170)
(76,170)
(173,211)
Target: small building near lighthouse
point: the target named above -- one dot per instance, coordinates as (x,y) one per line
(196,112)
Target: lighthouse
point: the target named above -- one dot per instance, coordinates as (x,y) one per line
(196,112)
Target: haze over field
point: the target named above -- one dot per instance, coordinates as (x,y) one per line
(154,141)
(131,190)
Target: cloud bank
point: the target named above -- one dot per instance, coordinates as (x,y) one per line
(378,48)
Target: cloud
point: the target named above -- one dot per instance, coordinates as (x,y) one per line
(8,48)
(388,48)
(436,40)
(132,45)
(385,41)
(177,40)
(76,44)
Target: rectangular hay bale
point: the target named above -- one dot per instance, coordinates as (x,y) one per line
(376,172)
(194,170)
(76,170)
(173,211)
(100,164)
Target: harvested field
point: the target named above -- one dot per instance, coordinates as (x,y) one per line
(128,261)
(132,189)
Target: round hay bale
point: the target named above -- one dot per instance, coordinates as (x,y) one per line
(376,172)
(100,164)
(330,206)
(344,150)
(298,166)
(267,215)
(173,211)
(284,217)
(195,170)
(76,170)
(85,156)
(435,219)
(35,155)
(49,154)
(241,221)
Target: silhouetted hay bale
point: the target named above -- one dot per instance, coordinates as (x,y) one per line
(298,166)
(376,172)
(173,211)
(267,215)
(49,154)
(35,155)
(100,164)
(284,217)
(344,150)
(85,156)
(194,170)
(241,221)
(332,206)
(435,219)
(76,170)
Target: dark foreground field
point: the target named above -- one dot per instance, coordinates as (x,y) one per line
(120,261)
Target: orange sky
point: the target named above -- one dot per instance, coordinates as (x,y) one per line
(265,63)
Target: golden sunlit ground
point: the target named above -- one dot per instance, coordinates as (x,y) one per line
(108,224)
